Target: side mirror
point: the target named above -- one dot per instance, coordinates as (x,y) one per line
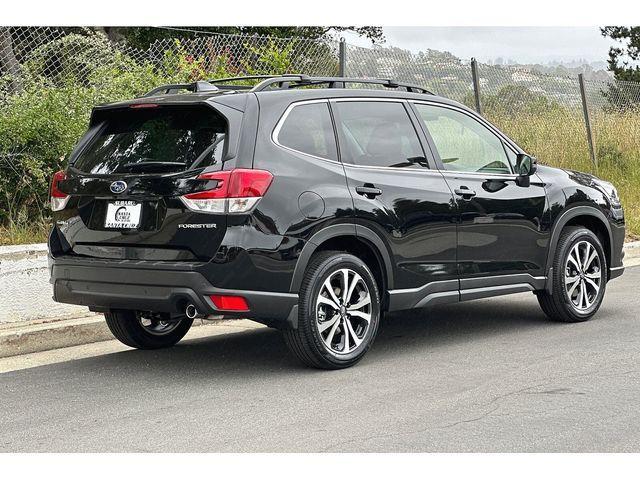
(525,167)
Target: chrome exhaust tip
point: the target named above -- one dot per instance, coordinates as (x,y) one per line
(191,312)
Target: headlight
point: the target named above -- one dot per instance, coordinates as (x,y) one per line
(610,191)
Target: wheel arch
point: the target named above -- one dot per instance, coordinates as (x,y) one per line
(589,217)
(355,239)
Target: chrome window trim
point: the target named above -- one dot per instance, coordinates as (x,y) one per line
(433,171)
(505,140)
(458,173)
(283,118)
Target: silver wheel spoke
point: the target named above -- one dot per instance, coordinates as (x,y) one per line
(580,295)
(328,301)
(362,303)
(345,347)
(356,278)
(324,325)
(585,295)
(587,251)
(592,283)
(575,262)
(594,275)
(327,286)
(573,287)
(332,333)
(358,313)
(593,255)
(355,338)
(571,280)
(345,284)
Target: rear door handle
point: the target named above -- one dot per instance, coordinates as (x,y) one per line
(368,191)
(465,192)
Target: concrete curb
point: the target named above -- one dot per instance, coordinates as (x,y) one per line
(36,336)
(29,337)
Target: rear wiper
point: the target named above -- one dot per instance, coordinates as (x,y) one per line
(145,165)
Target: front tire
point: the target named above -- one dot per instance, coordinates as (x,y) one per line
(579,277)
(338,312)
(146,332)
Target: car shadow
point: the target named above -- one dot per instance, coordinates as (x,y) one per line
(262,350)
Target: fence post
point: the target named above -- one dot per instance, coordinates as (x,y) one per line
(342,54)
(476,84)
(587,120)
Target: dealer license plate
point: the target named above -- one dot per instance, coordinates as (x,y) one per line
(123,214)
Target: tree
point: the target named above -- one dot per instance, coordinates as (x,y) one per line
(142,37)
(621,57)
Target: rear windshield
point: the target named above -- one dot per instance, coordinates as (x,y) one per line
(155,140)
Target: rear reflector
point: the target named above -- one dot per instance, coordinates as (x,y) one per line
(144,105)
(234,191)
(230,303)
(58,198)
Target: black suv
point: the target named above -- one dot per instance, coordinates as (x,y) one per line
(314,208)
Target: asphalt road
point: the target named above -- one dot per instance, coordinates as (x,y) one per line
(490,375)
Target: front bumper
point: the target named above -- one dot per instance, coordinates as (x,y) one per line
(158,287)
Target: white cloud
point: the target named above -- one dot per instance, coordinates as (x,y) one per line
(523,44)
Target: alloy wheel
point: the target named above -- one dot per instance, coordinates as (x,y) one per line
(157,326)
(343,311)
(583,275)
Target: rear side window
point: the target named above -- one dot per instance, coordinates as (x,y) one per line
(308,129)
(155,140)
(378,134)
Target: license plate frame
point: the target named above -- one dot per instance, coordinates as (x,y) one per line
(123,215)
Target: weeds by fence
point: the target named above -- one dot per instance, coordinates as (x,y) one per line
(50,78)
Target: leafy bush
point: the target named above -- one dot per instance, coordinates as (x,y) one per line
(63,80)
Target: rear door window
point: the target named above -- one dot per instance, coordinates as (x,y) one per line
(162,139)
(308,128)
(378,134)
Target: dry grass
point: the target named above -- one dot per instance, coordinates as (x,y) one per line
(561,142)
(21,234)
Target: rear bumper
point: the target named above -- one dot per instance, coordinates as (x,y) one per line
(150,287)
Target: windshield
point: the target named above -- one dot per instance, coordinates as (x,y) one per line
(155,140)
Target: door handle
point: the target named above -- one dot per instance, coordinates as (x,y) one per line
(368,190)
(465,192)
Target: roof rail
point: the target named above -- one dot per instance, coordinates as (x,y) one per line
(199,86)
(282,82)
(294,81)
(221,83)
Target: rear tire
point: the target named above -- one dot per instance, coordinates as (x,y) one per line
(127,326)
(579,277)
(338,312)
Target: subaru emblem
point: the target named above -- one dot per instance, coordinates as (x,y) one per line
(118,186)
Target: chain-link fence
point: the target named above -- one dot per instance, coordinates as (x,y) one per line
(57,57)
(51,77)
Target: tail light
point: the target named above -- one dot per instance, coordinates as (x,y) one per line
(234,191)
(59,199)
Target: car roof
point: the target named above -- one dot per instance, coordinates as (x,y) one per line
(237,98)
